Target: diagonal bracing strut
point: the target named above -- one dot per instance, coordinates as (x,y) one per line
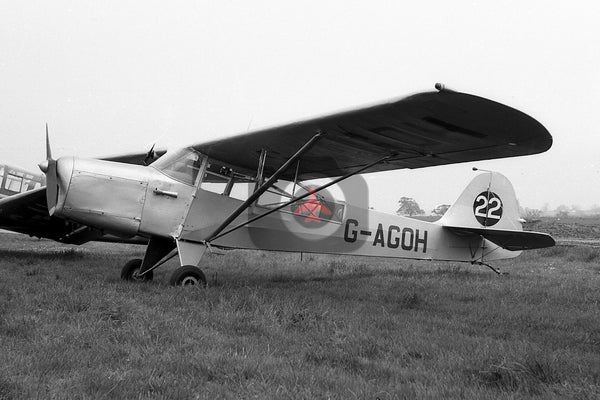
(293,200)
(263,188)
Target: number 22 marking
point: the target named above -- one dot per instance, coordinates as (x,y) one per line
(482,209)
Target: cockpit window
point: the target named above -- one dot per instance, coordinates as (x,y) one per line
(182,165)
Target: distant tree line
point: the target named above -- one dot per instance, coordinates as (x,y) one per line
(409,207)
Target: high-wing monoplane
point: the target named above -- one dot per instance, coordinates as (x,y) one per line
(211,194)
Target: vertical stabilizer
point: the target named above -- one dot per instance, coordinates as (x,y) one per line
(489,201)
(488,207)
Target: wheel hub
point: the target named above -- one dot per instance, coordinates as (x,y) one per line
(189,281)
(137,276)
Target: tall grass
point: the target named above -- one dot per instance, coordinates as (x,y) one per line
(273,326)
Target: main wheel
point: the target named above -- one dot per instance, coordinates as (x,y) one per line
(188,275)
(131,271)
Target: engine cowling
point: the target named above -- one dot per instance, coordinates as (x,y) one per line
(103,194)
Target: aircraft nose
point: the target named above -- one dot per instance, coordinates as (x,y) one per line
(64,170)
(58,175)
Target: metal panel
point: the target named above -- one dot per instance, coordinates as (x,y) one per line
(166,203)
(110,202)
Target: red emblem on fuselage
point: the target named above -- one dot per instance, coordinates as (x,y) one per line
(312,206)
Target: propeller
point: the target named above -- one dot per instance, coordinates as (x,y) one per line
(150,155)
(49,168)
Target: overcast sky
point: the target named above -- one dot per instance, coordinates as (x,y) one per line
(114,76)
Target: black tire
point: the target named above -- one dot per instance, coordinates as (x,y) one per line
(188,275)
(131,269)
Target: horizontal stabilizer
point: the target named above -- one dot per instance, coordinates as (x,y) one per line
(508,239)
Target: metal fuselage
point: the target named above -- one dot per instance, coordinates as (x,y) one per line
(129,200)
(121,199)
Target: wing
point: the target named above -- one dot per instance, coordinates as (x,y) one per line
(27,213)
(301,209)
(136,158)
(422,130)
(324,210)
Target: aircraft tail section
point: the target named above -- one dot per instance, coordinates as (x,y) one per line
(488,207)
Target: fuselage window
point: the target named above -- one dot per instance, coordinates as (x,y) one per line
(27,184)
(222,179)
(13,183)
(182,165)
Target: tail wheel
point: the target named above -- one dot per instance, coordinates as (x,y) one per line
(131,271)
(188,275)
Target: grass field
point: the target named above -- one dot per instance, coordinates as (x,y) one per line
(587,228)
(273,326)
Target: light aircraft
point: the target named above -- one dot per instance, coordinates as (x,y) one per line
(188,201)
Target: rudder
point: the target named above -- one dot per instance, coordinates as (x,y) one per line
(488,207)
(488,201)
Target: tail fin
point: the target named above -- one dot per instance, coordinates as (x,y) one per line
(488,207)
(488,201)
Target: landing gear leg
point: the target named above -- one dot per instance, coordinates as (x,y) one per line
(190,254)
(142,270)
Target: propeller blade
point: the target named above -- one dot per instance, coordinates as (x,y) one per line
(48,149)
(49,168)
(51,186)
(150,155)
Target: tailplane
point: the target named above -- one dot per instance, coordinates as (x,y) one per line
(488,207)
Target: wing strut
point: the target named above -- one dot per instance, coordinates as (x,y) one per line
(263,187)
(295,199)
(261,168)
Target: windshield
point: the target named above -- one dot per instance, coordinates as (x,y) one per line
(182,165)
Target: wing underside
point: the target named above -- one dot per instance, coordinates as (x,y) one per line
(423,130)
(27,213)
